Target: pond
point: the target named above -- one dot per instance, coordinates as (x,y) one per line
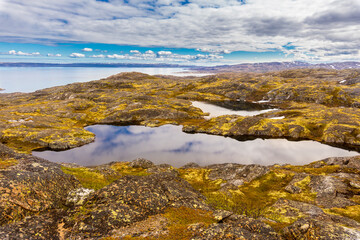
(168,144)
(218,108)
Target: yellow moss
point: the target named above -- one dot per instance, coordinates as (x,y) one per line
(5,163)
(303,183)
(352,212)
(124,169)
(198,178)
(179,221)
(89,178)
(325,170)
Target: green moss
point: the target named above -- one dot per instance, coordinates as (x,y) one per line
(280,218)
(352,212)
(89,178)
(124,169)
(198,178)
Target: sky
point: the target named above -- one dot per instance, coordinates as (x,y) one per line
(203,32)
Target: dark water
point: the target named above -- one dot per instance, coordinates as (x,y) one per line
(168,144)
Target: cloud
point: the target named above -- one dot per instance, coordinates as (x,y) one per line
(53,55)
(215,25)
(164,53)
(20,53)
(98,56)
(87,50)
(161,56)
(77,55)
(220,51)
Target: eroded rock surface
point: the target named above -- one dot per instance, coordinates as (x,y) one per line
(276,202)
(31,186)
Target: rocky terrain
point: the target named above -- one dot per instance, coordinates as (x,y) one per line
(321,105)
(137,200)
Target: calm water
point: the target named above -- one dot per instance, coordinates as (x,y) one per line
(243,109)
(14,79)
(168,144)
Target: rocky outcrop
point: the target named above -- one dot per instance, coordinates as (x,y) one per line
(319,200)
(128,200)
(232,226)
(236,174)
(31,186)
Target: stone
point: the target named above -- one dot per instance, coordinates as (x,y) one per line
(141,163)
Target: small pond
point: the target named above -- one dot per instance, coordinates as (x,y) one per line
(168,144)
(218,108)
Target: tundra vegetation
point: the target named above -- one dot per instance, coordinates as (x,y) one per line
(141,200)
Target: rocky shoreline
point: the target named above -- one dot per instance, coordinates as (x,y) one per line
(138,199)
(320,105)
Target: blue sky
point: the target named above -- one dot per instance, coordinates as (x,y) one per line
(204,32)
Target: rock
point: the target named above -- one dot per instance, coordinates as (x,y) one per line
(307,228)
(191,165)
(236,174)
(294,186)
(141,163)
(129,200)
(295,210)
(77,196)
(347,162)
(238,227)
(331,191)
(163,168)
(32,186)
(220,215)
(40,227)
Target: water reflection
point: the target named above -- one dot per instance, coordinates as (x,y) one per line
(229,108)
(168,144)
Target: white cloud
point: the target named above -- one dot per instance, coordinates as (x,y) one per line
(77,55)
(161,56)
(322,29)
(20,53)
(53,55)
(87,50)
(220,51)
(98,56)
(164,53)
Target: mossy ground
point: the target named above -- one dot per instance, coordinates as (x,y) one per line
(7,163)
(256,198)
(178,224)
(313,102)
(96,179)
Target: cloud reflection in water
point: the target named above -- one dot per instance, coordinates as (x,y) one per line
(168,144)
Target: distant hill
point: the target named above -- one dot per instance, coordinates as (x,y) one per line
(277,66)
